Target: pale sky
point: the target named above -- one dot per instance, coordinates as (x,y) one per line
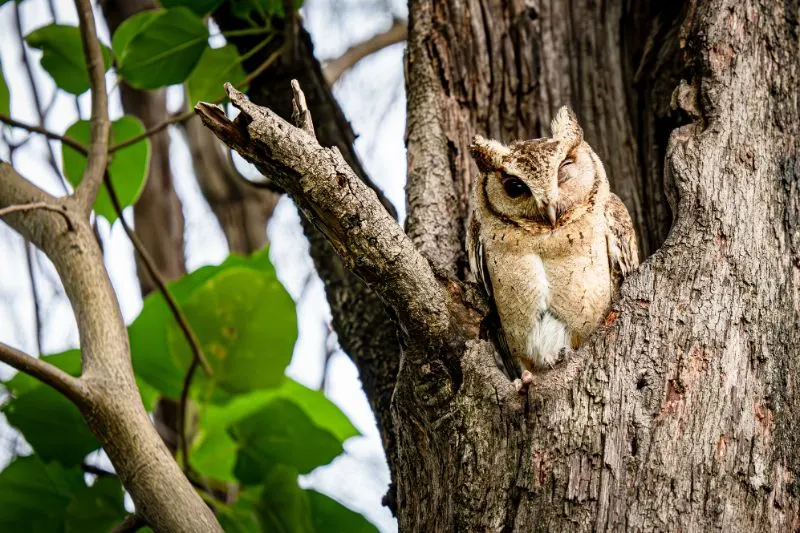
(372,95)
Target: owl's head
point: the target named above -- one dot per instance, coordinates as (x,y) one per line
(539,179)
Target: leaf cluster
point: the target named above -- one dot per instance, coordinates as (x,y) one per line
(251,426)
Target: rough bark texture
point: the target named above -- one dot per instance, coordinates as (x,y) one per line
(364,329)
(680,413)
(502,70)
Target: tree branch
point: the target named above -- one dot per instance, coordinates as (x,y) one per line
(67,385)
(97,158)
(41,111)
(69,141)
(183,117)
(113,409)
(341,206)
(333,70)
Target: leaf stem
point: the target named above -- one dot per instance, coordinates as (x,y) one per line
(244,32)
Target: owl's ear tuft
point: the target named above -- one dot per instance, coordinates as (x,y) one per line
(565,126)
(488,154)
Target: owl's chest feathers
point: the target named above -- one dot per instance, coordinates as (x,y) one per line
(551,289)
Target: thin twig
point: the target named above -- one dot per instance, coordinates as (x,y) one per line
(97,160)
(72,143)
(69,386)
(37,315)
(183,117)
(333,70)
(96,470)
(29,262)
(152,269)
(131,523)
(40,111)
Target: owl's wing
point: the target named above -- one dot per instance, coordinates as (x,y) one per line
(477,262)
(623,253)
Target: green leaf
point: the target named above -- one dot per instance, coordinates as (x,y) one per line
(165,50)
(241,517)
(330,516)
(164,368)
(34,496)
(217,66)
(5,97)
(96,509)
(283,505)
(127,167)
(281,434)
(201,7)
(263,9)
(214,450)
(131,27)
(42,413)
(39,412)
(62,56)
(247,327)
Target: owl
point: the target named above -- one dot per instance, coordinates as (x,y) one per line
(549,242)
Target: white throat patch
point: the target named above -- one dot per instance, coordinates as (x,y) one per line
(548,335)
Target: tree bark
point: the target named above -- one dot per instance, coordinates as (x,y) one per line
(680,412)
(364,329)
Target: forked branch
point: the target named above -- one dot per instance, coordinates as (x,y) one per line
(341,206)
(101,127)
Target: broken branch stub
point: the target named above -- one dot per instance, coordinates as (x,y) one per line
(340,205)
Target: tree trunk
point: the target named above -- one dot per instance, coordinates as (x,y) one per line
(681,412)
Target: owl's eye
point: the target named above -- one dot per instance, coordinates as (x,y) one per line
(563,171)
(514,187)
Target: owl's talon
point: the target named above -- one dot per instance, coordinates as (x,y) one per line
(521,384)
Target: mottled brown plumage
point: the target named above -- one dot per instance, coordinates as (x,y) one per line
(548,240)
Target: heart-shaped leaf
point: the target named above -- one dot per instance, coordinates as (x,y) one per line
(127,167)
(62,56)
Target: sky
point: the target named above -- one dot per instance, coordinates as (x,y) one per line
(372,97)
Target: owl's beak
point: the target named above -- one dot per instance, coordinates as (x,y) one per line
(551,214)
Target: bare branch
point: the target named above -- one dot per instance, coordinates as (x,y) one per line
(41,110)
(333,70)
(96,470)
(97,158)
(113,410)
(72,143)
(340,205)
(301,115)
(69,386)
